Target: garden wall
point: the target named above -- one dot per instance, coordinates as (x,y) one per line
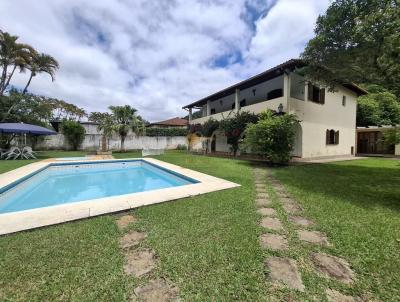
(92,142)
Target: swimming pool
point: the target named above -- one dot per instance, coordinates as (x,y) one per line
(62,183)
(45,193)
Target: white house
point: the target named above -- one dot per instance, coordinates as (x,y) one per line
(327,119)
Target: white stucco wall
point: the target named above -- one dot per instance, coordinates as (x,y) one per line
(317,118)
(92,142)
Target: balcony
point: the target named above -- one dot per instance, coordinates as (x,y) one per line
(253,108)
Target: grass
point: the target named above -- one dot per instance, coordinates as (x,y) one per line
(7,165)
(357,204)
(208,245)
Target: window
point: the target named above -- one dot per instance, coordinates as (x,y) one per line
(243,103)
(316,94)
(276,93)
(344,101)
(332,137)
(212,110)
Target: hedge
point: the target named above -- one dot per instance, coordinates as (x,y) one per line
(166,131)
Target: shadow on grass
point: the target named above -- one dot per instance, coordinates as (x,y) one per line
(364,184)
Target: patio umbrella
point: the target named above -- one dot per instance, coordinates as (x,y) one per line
(21,128)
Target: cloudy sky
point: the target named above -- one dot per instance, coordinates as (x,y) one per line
(156,55)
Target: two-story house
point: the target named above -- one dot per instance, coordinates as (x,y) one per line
(327,119)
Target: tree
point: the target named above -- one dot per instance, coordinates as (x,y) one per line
(392,136)
(14,55)
(378,108)
(272,136)
(41,63)
(120,120)
(356,41)
(73,132)
(234,127)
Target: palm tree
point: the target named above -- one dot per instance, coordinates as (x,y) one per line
(41,63)
(125,119)
(16,55)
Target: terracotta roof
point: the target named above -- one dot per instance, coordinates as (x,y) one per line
(176,121)
(262,77)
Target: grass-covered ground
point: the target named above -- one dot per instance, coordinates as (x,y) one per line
(208,245)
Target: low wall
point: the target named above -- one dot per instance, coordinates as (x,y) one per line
(92,142)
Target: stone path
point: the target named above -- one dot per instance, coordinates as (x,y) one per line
(282,270)
(141,261)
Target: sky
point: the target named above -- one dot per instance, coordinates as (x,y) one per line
(156,55)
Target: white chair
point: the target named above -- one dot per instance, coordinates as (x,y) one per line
(28,153)
(13,153)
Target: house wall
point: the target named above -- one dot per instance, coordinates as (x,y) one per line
(317,118)
(92,142)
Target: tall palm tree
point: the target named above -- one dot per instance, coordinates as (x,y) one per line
(41,63)
(14,55)
(125,119)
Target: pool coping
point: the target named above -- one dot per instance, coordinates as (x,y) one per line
(40,217)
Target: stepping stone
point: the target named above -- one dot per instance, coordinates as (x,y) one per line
(262,195)
(273,242)
(335,296)
(283,195)
(287,200)
(313,237)
(292,208)
(284,270)
(139,262)
(261,190)
(124,221)
(301,221)
(333,267)
(131,239)
(260,185)
(271,223)
(267,211)
(156,291)
(262,202)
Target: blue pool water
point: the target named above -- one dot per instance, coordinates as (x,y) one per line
(72,182)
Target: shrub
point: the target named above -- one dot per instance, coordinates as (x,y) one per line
(181,147)
(392,136)
(272,136)
(209,127)
(166,132)
(73,132)
(234,127)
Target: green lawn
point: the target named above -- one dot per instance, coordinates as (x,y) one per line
(208,245)
(357,204)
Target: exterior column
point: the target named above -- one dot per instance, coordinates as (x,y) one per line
(286,91)
(208,108)
(237,103)
(190,114)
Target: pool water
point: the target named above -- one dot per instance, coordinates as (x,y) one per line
(72,182)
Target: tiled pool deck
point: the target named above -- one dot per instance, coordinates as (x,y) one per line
(34,218)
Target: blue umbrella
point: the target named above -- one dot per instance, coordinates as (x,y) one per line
(25,129)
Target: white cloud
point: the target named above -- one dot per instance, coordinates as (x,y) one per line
(155,55)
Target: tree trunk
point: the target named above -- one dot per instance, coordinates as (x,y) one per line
(122,143)
(3,76)
(27,84)
(3,88)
